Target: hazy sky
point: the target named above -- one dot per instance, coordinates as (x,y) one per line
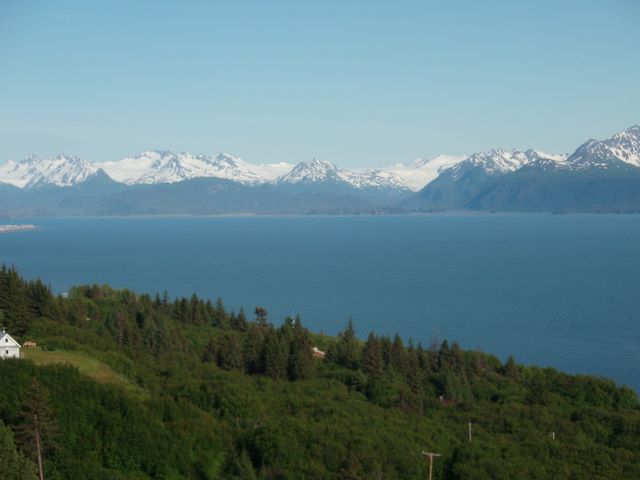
(361,83)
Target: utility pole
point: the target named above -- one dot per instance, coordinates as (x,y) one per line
(469,431)
(38,448)
(431,455)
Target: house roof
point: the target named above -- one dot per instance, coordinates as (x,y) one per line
(4,334)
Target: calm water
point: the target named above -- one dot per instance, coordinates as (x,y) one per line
(553,290)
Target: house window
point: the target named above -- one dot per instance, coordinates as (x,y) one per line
(6,352)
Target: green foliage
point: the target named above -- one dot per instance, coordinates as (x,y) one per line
(13,465)
(226,397)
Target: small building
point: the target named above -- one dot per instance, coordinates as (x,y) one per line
(317,353)
(29,344)
(9,348)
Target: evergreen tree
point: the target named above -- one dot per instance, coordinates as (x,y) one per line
(230,352)
(434,354)
(457,357)
(396,358)
(510,369)
(346,349)
(210,351)
(240,321)
(13,465)
(13,302)
(241,468)
(219,314)
(253,347)
(422,356)
(300,355)
(274,355)
(444,356)
(372,356)
(385,350)
(40,300)
(37,431)
(261,316)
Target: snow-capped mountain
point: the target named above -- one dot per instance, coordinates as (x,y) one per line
(624,146)
(166,167)
(500,161)
(598,176)
(33,171)
(421,172)
(312,171)
(374,178)
(322,171)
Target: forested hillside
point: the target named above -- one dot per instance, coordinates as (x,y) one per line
(207,393)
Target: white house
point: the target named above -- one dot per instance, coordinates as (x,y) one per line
(9,348)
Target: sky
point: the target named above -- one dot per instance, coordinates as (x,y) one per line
(360,83)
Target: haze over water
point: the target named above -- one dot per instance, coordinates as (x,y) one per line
(553,290)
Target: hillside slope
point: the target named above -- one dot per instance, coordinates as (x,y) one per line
(236,398)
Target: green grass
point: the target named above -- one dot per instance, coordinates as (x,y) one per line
(87,365)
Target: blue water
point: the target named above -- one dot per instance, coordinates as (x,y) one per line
(553,290)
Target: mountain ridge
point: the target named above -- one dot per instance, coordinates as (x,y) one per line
(600,175)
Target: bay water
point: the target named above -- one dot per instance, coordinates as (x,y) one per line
(552,290)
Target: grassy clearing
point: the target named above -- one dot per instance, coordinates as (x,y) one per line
(89,366)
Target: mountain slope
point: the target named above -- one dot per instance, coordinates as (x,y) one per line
(33,171)
(456,186)
(166,167)
(321,172)
(624,146)
(418,174)
(600,176)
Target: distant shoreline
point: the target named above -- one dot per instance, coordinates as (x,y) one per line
(16,228)
(444,213)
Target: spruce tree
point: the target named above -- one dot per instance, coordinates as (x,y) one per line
(372,356)
(274,355)
(261,316)
(219,314)
(347,348)
(510,369)
(230,352)
(37,431)
(13,302)
(13,465)
(300,355)
(240,321)
(253,347)
(396,357)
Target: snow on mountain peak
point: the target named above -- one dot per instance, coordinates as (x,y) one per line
(167,167)
(164,166)
(423,171)
(500,161)
(623,146)
(315,170)
(373,178)
(62,170)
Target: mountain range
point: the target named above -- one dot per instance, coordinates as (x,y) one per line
(600,176)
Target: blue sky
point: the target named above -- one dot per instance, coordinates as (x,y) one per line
(361,83)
